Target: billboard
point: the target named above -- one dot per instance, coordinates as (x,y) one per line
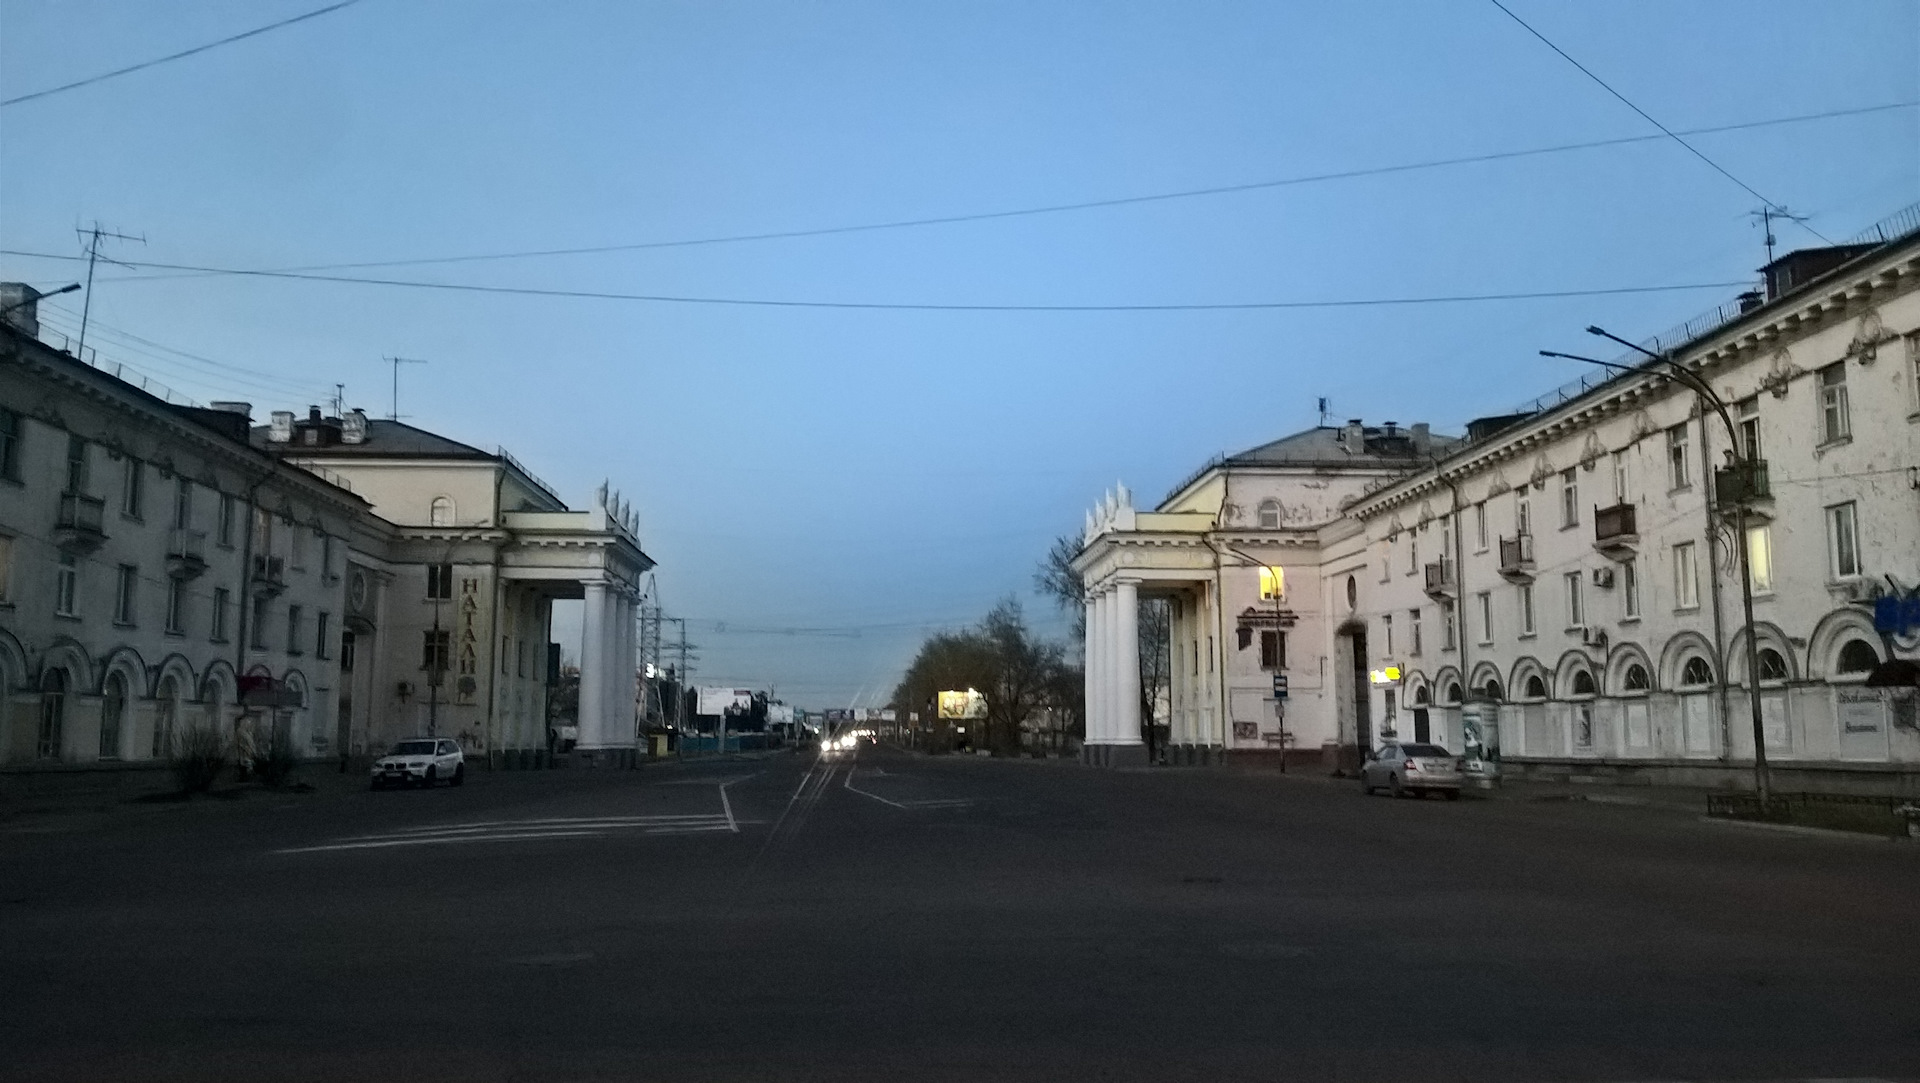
(779,714)
(968,704)
(713,701)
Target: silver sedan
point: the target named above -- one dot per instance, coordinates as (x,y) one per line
(1412,768)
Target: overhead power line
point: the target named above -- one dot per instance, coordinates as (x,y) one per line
(766,302)
(182,55)
(1649,118)
(1088,204)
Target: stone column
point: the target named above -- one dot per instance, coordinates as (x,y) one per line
(1126,682)
(593,668)
(1095,664)
(623,713)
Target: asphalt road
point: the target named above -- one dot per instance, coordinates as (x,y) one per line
(899,917)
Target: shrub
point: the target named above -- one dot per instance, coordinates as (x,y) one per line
(275,761)
(196,758)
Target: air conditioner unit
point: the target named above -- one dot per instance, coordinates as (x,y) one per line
(1603,577)
(1594,637)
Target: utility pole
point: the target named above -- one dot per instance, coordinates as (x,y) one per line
(1768,215)
(93,238)
(396,362)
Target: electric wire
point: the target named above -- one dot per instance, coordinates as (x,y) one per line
(885,306)
(183,54)
(1648,117)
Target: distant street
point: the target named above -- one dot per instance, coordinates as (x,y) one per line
(897,917)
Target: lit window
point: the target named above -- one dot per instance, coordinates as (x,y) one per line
(1273,584)
(1836,422)
(1843,541)
(1760,558)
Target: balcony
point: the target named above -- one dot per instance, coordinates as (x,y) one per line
(1441,581)
(1742,483)
(269,573)
(1616,533)
(77,528)
(1516,558)
(186,553)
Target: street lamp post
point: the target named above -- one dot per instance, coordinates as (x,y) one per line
(1745,469)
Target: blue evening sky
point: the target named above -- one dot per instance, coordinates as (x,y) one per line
(870,473)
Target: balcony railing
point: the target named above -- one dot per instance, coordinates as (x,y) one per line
(1516,558)
(1742,483)
(186,553)
(1441,582)
(78,525)
(269,573)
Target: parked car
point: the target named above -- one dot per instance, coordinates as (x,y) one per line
(1412,768)
(421,761)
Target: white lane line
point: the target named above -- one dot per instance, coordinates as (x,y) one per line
(708,829)
(571,821)
(847,784)
(504,836)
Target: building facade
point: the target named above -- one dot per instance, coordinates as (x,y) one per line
(1571,573)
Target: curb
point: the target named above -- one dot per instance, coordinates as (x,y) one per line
(1805,832)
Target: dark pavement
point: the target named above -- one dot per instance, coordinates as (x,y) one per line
(899,917)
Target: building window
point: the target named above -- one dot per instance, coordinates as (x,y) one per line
(1686,584)
(66,586)
(435,651)
(76,464)
(1636,679)
(1485,598)
(1773,666)
(440,512)
(326,556)
(53,713)
(1413,631)
(1522,513)
(1387,638)
(293,629)
(176,605)
(1913,367)
(1843,541)
(322,631)
(346,652)
(1679,468)
(1622,478)
(1696,673)
(262,531)
(113,711)
(229,512)
(134,493)
(222,602)
(520,658)
(9,445)
(1413,554)
(1526,609)
(297,546)
(1480,527)
(1273,584)
(1273,650)
(1576,611)
(1836,422)
(439,582)
(258,633)
(1269,515)
(183,502)
(1760,559)
(126,586)
(1630,587)
(506,656)
(1747,411)
(1450,624)
(168,718)
(6,569)
(1857,658)
(1569,499)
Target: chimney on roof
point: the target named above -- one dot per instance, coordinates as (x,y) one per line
(1751,300)
(1422,439)
(1393,429)
(1354,437)
(20,307)
(244,409)
(280,427)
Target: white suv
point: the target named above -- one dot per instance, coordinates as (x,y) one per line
(423,760)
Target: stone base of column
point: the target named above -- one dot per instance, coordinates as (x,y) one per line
(1196,755)
(1134,755)
(613,758)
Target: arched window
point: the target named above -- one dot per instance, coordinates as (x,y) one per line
(1353,594)
(1420,696)
(440,512)
(1857,656)
(113,710)
(1269,515)
(53,712)
(167,719)
(1535,687)
(1583,683)
(1491,690)
(1696,672)
(1636,679)
(1451,693)
(1772,666)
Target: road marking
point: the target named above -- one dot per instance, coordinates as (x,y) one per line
(950,802)
(732,824)
(504,836)
(848,785)
(555,827)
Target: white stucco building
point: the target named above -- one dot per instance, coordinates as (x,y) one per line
(1571,566)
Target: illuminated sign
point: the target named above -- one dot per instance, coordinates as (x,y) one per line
(1389,675)
(968,704)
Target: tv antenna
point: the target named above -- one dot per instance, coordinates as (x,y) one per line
(1326,411)
(396,362)
(92,238)
(1770,214)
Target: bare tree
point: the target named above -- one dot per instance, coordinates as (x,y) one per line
(1001,658)
(1057,580)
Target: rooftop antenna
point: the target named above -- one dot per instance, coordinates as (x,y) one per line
(339,399)
(1770,214)
(396,362)
(1326,411)
(93,237)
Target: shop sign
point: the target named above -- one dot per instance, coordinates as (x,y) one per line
(1897,614)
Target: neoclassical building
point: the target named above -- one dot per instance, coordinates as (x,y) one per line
(340,582)
(1572,568)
